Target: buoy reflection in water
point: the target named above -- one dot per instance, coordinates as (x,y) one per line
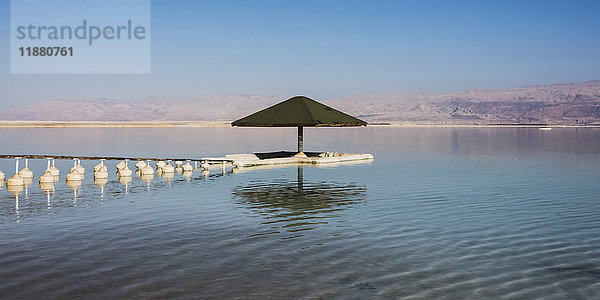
(125,180)
(167,176)
(187,175)
(74,185)
(147,178)
(101,182)
(47,187)
(15,190)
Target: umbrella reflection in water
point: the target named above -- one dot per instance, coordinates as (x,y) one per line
(296,206)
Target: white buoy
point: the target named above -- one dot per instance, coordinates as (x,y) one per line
(195,164)
(80,168)
(100,170)
(159,166)
(54,170)
(178,167)
(187,167)
(16,180)
(47,177)
(125,171)
(140,165)
(147,170)
(205,165)
(120,165)
(168,168)
(26,173)
(74,175)
(99,166)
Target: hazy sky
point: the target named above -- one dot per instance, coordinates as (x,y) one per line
(328,49)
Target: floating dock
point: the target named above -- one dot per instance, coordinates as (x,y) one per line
(287,157)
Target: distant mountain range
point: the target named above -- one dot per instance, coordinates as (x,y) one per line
(560,104)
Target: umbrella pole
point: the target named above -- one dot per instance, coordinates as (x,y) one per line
(300,139)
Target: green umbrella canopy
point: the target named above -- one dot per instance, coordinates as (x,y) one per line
(299,111)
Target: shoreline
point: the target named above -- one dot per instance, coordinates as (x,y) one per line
(198,124)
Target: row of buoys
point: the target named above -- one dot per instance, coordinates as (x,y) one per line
(21,180)
(77,172)
(183,167)
(162,167)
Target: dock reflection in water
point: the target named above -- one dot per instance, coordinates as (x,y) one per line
(296,206)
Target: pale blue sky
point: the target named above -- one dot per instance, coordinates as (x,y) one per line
(328,49)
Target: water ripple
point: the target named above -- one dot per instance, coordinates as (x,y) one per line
(501,216)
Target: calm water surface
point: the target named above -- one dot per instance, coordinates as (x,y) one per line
(440,213)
